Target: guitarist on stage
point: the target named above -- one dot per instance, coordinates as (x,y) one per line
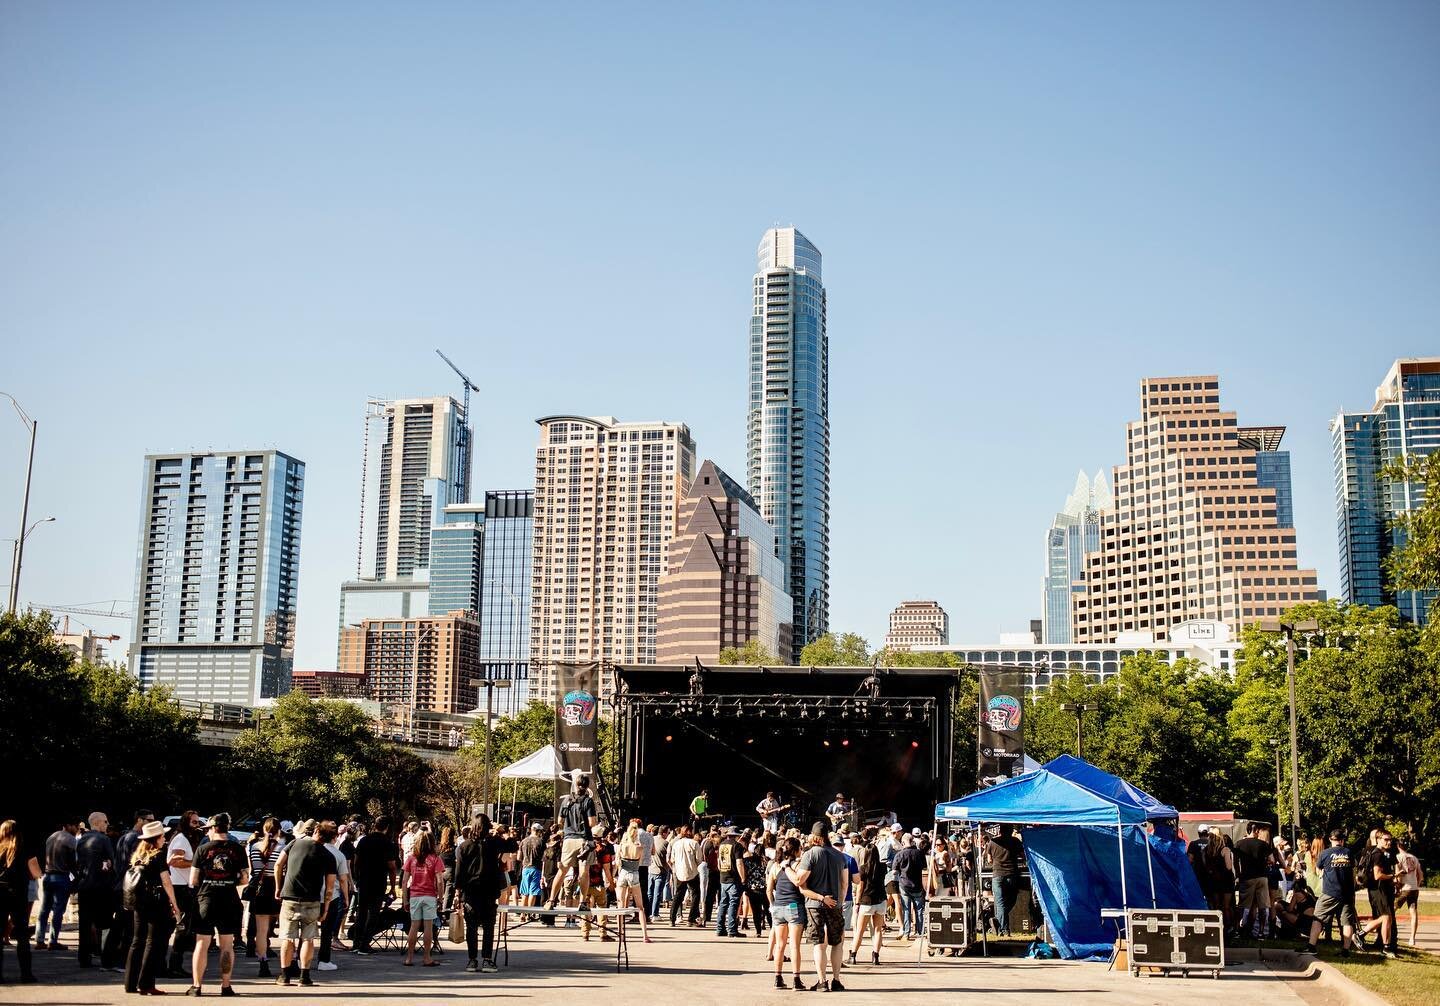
(699,808)
(769,810)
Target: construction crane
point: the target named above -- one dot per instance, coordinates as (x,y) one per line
(65,609)
(461,493)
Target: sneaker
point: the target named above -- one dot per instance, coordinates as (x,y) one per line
(327,966)
(779,981)
(1388,954)
(1306,950)
(820,987)
(193,990)
(227,990)
(798,985)
(264,969)
(472,965)
(362,953)
(305,979)
(488,966)
(282,978)
(835,985)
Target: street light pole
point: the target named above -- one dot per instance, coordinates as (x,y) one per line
(1279,787)
(489,684)
(1079,709)
(1288,629)
(24,507)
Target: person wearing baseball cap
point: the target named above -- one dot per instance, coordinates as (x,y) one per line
(220,869)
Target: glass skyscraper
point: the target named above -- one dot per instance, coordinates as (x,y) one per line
(457,552)
(1404,424)
(1075,531)
(217,575)
(788,432)
(505,595)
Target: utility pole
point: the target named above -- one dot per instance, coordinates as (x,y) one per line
(1289,629)
(24,507)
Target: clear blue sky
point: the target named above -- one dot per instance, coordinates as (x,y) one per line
(224,226)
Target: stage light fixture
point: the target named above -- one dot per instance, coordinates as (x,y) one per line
(749,740)
(826,743)
(669,738)
(914,744)
(845,743)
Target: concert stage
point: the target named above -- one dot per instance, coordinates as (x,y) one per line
(882,736)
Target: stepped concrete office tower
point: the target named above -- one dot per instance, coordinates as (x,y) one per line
(789,420)
(1193,533)
(417,461)
(217,574)
(1075,531)
(724,585)
(607,503)
(1403,424)
(918,623)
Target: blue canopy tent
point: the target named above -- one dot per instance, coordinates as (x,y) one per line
(1073,869)
(1176,886)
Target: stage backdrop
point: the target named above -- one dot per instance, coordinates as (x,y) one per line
(577,713)
(1002,735)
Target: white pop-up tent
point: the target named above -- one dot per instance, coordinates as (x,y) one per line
(543,766)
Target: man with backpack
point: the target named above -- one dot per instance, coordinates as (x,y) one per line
(478,879)
(577,812)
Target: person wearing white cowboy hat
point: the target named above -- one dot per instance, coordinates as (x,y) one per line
(149,895)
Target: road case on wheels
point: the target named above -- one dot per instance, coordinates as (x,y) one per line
(949,923)
(1175,939)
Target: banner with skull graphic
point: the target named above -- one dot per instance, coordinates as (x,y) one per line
(577,716)
(1001,746)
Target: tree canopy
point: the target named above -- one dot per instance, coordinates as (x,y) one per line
(830,650)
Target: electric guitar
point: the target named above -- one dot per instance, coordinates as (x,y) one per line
(776,812)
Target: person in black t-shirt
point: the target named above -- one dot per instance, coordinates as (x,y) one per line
(1253,856)
(1004,852)
(1380,867)
(1337,894)
(309,871)
(374,870)
(220,868)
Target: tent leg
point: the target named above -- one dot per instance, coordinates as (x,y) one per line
(1120,844)
(1150,868)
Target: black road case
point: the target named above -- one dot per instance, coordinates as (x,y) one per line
(1175,939)
(948,922)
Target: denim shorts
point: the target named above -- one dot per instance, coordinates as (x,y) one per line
(785,915)
(423,908)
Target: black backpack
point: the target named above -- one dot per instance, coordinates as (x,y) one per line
(137,891)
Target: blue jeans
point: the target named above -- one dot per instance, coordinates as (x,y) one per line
(912,912)
(56,888)
(659,887)
(725,915)
(1006,889)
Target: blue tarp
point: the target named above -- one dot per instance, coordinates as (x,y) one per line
(1110,787)
(1038,797)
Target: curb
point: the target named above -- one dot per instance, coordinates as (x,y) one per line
(1290,966)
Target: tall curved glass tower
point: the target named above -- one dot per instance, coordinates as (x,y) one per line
(789,420)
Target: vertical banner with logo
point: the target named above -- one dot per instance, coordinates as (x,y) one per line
(1001,746)
(577,715)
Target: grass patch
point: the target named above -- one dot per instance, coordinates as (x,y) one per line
(1412,979)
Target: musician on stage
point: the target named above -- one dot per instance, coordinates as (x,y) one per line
(769,810)
(839,812)
(699,808)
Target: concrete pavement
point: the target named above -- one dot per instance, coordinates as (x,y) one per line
(687,965)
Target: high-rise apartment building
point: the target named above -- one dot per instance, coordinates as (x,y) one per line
(607,501)
(1193,534)
(724,585)
(1075,531)
(328,684)
(457,555)
(1403,424)
(918,623)
(417,461)
(415,663)
(789,420)
(505,596)
(217,574)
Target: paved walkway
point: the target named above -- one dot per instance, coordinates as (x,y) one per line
(681,965)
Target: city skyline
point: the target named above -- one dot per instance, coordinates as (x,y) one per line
(1170,234)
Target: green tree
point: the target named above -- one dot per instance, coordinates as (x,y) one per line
(753,654)
(830,650)
(889,657)
(1415,565)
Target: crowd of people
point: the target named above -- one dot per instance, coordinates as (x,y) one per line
(1266,888)
(151,901)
